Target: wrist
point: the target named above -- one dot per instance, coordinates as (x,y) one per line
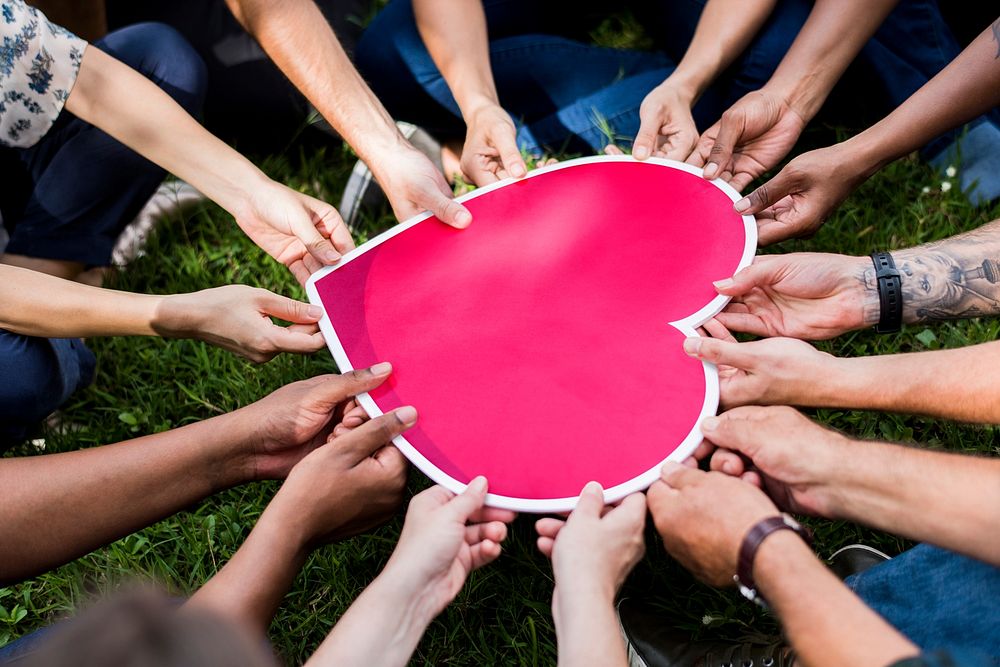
(860,307)
(177,316)
(781,553)
(476,104)
(804,95)
(687,87)
(416,605)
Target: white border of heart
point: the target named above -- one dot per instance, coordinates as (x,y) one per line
(686,326)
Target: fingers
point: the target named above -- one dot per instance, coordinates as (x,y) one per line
(549,526)
(721,353)
(734,431)
(731,128)
(484,553)
(364,441)
(285,339)
(465,504)
(331,390)
(510,157)
(495,531)
(591,501)
(630,512)
(392,461)
(717,331)
(758,274)
(766,195)
(545,545)
(446,209)
(645,138)
(493,514)
(703,451)
(743,322)
(728,462)
(320,247)
(677,476)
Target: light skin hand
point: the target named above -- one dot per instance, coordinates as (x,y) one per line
(414,185)
(246,329)
(781,451)
(751,137)
(298,418)
(703,518)
(491,152)
(812,296)
(592,552)
(667,128)
(799,199)
(300,231)
(773,371)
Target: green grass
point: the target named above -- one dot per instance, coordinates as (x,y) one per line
(502,616)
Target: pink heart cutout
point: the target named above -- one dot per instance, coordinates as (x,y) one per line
(542,346)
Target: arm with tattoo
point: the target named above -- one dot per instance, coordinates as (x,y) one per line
(816,296)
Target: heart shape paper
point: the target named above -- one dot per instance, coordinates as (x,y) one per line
(543,345)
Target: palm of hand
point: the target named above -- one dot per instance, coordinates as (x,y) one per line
(768,140)
(412,184)
(291,427)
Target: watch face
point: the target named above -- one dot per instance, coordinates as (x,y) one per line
(508,337)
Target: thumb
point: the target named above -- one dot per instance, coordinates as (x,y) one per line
(721,353)
(446,209)
(767,194)
(645,139)
(590,503)
(465,504)
(330,390)
(285,339)
(289,310)
(318,245)
(510,156)
(758,274)
(733,430)
(375,434)
(730,130)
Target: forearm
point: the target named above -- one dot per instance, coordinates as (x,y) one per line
(956,278)
(36,304)
(831,38)
(587,629)
(817,611)
(724,30)
(58,507)
(948,384)
(950,500)
(455,34)
(300,41)
(133,110)
(966,88)
(382,628)
(250,587)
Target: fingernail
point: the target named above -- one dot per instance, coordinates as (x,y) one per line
(382,368)
(692,345)
(479,484)
(517,171)
(742,205)
(710,169)
(593,487)
(464,218)
(724,284)
(709,424)
(407,414)
(314,312)
(331,256)
(640,153)
(669,467)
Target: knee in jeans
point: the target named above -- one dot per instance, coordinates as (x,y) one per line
(30,390)
(165,56)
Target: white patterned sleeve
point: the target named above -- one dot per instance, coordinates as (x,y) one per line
(39,62)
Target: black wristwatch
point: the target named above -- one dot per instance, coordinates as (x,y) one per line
(890,293)
(751,543)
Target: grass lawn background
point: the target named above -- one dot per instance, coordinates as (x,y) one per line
(502,616)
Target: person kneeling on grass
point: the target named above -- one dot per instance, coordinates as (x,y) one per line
(937,599)
(77,125)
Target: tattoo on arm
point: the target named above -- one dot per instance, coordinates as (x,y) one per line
(951,279)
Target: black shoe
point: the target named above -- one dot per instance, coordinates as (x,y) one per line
(652,643)
(855,559)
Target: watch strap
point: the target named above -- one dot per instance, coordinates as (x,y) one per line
(751,543)
(890,293)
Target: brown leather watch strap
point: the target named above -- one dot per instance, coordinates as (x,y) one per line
(751,543)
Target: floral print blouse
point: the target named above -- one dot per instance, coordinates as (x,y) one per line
(39,62)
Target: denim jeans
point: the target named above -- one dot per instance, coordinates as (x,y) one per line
(68,198)
(567,94)
(940,600)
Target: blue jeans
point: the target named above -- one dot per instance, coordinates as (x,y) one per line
(68,198)
(569,95)
(940,600)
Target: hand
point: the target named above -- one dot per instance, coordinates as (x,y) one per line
(238,318)
(750,138)
(799,199)
(299,417)
(774,371)
(813,296)
(490,153)
(703,518)
(414,185)
(782,451)
(300,231)
(349,485)
(667,128)
(593,550)
(444,538)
